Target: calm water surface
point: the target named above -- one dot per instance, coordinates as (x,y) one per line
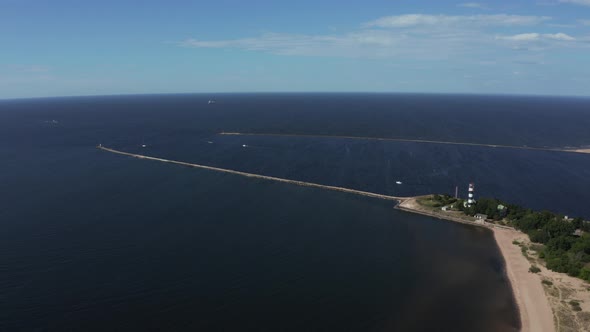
(95,241)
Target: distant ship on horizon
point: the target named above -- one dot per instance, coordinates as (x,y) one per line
(211,101)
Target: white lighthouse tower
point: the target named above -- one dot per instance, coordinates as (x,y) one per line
(470,198)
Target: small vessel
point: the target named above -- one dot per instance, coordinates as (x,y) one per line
(398,182)
(143,145)
(244,145)
(210,142)
(211,101)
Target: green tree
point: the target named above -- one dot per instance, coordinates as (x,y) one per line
(558,227)
(578,222)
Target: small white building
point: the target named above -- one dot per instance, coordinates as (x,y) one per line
(480,216)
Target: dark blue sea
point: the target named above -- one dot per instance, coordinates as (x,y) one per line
(93,241)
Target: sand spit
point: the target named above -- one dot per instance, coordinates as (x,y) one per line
(544,299)
(534,309)
(533,305)
(561,290)
(535,299)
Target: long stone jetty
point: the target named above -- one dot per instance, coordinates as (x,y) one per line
(408,204)
(258,176)
(535,315)
(572,150)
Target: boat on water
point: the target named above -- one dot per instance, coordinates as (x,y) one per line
(211,101)
(398,182)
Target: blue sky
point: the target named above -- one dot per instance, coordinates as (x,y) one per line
(62,48)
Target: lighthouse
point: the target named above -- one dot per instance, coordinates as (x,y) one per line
(470,199)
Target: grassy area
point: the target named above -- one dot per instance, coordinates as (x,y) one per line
(575,305)
(436,201)
(534,269)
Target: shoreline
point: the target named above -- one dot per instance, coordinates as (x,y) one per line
(533,305)
(534,310)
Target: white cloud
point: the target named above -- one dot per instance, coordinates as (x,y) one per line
(413,37)
(475,5)
(415,20)
(577,2)
(524,37)
(559,25)
(361,43)
(559,36)
(521,37)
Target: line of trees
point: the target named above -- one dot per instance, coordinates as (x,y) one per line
(562,251)
(488,206)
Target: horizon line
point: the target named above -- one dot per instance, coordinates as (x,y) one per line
(303,92)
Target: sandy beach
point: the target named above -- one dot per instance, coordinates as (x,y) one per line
(535,311)
(560,288)
(543,298)
(537,302)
